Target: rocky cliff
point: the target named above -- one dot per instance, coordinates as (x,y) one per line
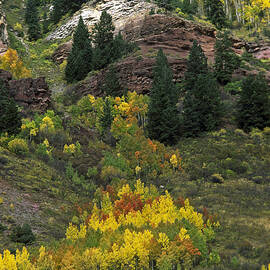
(173,34)
(33,95)
(121,11)
(3,31)
(151,32)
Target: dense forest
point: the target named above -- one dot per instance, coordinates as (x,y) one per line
(135,149)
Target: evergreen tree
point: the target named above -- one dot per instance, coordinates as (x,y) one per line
(166,4)
(31,18)
(10,119)
(202,108)
(196,65)
(226,61)
(106,118)
(103,31)
(111,86)
(103,41)
(61,7)
(254,103)
(215,13)
(187,6)
(30,6)
(163,120)
(121,47)
(45,23)
(79,61)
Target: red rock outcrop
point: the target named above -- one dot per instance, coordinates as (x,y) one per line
(62,52)
(32,94)
(134,73)
(259,50)
(172,34)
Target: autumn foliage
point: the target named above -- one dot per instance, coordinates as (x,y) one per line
(11,62)
(136,229)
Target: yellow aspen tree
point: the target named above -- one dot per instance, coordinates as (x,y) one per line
(11,62)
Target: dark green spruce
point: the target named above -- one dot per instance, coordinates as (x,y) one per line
(106,117)
(163,118)
(79,61)
(215,13)
(10,119)
(202,109)
(196,65)
(226,61)
(254,104)
(103,31)
(62,7)
(103,41)
(32,20)
(111,86)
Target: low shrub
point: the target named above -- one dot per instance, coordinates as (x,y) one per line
(23,234)
(18,146)
(2,228)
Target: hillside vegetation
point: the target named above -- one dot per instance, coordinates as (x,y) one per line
(177,179)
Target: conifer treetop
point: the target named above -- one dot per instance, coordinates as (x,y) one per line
(163,120)
(103,30)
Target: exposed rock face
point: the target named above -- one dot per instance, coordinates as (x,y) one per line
(135,74)
(172,34)
(259,50)
(62,52)
(3,31)
(241,73)
(32,94)
(121,11)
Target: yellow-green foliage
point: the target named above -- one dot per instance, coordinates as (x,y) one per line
(13,262)
(47,53)
(133,149)
(18,146)
(11,62)
(4,140)
(63,66)
(18,27)
(266,267)
(42,125)
(134,228)
(73,149)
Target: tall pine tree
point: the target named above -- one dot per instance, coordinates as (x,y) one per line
(106,118)
(226,61)
(79,61)
(111,86)
(59,10)
(103,41)
(61,7)
(32,20)
(254,104)
(10,119)
(215,13)
(103,31)
(196,65)
(202,108)
(163,119)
